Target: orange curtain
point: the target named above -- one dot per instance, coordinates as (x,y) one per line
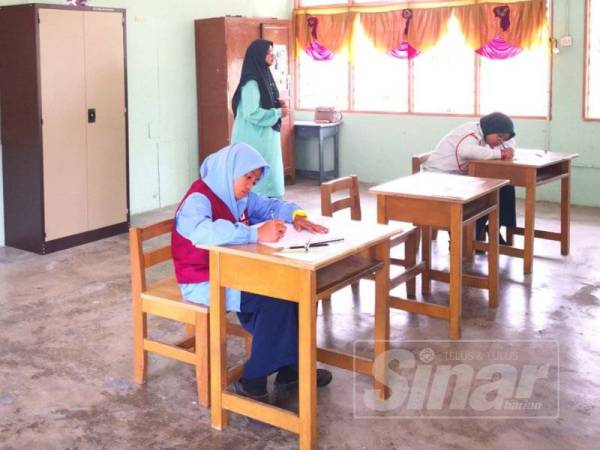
(332,30)
(387,27)
(421,28)
(527,29)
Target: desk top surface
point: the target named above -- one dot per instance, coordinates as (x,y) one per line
(439,186)
(357,236)
(312,123)
(527,157)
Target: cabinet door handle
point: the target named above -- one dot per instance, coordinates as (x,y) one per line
(92,115)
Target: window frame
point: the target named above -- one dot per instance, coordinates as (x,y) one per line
(411,112)
(586,64)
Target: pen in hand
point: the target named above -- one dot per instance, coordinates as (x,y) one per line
(271,230)
(506,152)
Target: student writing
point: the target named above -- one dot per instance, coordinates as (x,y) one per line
(492,137)
(220,208)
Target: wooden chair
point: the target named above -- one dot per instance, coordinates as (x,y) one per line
(417,161)
(352,201)
(163,299)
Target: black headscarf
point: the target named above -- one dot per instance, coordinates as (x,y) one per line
(497,122)
(255,68)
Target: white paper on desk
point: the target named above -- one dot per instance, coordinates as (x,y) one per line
(527,156)
(293,238)
(310,255)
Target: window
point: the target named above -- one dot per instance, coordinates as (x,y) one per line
(444,77)
(379,81)
(518,86)
(448,79)
(322,83)
(592,94)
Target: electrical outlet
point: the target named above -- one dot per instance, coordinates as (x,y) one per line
(565,41)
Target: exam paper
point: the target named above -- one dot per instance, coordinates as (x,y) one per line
(292,237)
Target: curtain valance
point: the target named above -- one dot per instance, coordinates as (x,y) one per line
(324,32)
(492,28)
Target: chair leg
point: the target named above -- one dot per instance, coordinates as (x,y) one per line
(434,232)
(140,356)
(411,248)
(418,236)
(203,359)
(248,345)
(355,286)
(510,233)
(426,258)
(468,237)
(189,329)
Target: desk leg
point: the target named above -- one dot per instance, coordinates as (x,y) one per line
(336,153)
(382,318)
(426,257)
(492,255)
(565,213)
(307,362)
(218,346)
(456,237)
(411,247)
(529,221)
(382,214)
(321,158)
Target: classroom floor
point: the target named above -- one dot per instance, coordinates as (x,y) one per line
(65,353)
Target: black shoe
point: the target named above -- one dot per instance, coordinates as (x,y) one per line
(324,377)
(238,388)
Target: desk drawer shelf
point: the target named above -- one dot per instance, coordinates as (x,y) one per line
(338,275)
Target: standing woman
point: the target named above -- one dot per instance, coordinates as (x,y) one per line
(258,112)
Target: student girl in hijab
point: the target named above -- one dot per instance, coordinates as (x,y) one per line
(220,208)
(492,137)
(258,111)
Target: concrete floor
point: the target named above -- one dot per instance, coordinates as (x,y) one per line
(65,353)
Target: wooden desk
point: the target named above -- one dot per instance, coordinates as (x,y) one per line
(365,249)
(308,129)
(529,169)
(448,202)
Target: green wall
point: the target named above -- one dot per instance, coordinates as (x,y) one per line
(163,134)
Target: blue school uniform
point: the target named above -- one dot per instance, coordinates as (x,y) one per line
(272,322)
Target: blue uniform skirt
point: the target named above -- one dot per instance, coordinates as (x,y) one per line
(273,324)
(507,210)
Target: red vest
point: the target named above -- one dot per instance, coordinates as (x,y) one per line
(191,263)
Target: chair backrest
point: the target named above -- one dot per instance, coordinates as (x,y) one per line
(143,259)
(419,160)
(352,201)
